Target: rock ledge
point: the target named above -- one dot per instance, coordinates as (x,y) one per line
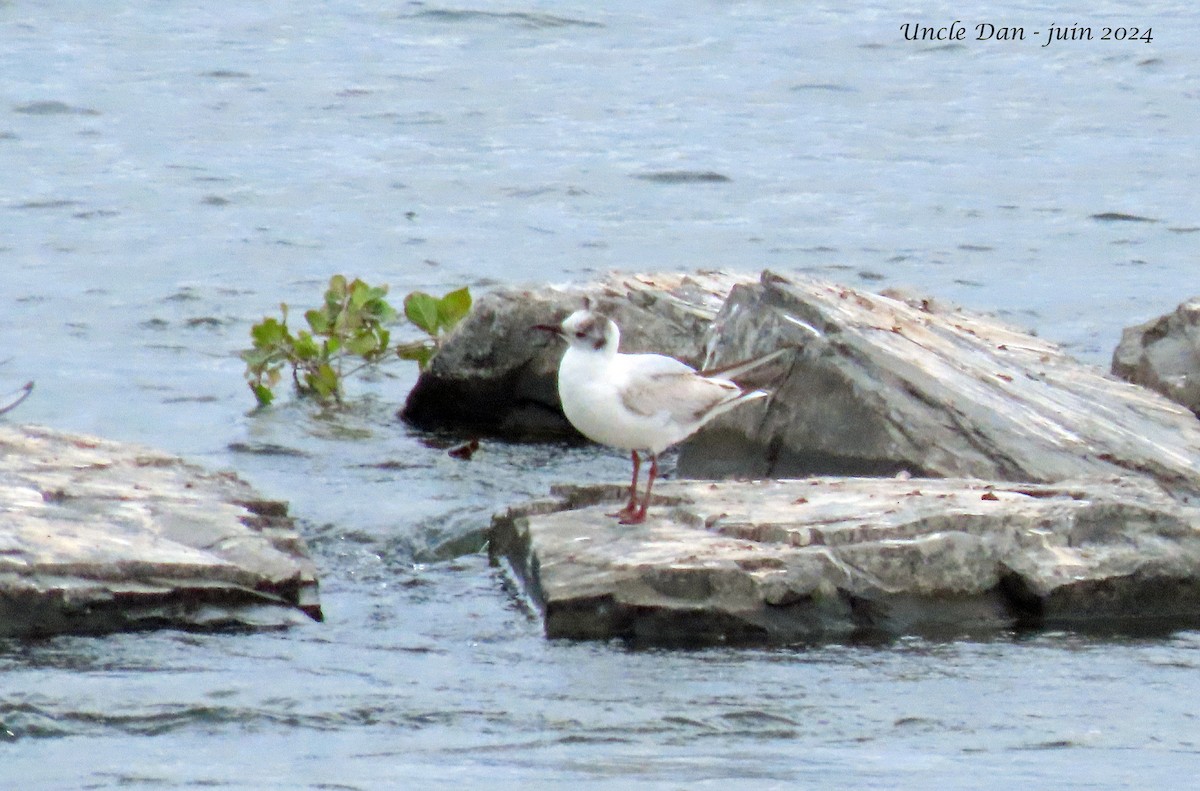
(848,558)
(98,536)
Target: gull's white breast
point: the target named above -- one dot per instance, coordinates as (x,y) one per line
(598,391)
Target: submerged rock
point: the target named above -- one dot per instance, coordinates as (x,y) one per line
(496,375)
(888,385)
(1164,355)
(836,559)
(98,536)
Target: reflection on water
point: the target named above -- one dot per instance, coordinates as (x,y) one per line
(171,175)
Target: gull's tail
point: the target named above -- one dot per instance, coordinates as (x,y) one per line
(736,400)
(743,367)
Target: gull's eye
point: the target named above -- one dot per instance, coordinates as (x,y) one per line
(581,335)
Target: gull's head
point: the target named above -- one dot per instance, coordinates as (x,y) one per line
(588,331)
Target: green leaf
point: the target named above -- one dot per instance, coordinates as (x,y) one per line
(422,310)
(343,321)
(379,311)
(306,347)
(318,320)
(262,393)
(376,304)
(324,381)
(336,293)
(360,295)
(363,344)
(257,358)
(420,352)
(269,332)
(453,307)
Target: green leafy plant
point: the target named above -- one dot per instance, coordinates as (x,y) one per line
(435,316)
(348,333)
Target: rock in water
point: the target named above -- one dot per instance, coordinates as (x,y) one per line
(496,375)
(98,536)
(893,385)
(838,559)
(1164,355)
(1046,493)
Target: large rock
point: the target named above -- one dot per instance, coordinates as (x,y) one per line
(496,375)
(98,536)
(823,559)
(890,385)
(1164,355)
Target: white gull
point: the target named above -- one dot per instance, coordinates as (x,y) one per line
(639,402)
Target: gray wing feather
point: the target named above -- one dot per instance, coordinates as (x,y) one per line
(684,396)
(742,367)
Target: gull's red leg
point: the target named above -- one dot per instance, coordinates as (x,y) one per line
(640,516)
(631,507)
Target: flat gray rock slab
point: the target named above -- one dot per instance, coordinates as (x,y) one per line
(847,558)
(99,536)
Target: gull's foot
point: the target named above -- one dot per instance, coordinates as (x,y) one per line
(628,512)
(634,518)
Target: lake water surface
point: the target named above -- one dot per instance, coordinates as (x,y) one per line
(174,170)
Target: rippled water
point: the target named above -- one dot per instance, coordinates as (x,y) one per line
(172,171)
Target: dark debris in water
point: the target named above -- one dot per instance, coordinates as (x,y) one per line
(209,322)
(391,464)
(53,108)
(442,442)
(46,204)
(1116,216)
(822,86)
(1052,744)
(464,451)
(184,294)
(683,177)
(526,19)
(945,48)
(265,449)
(12,400)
